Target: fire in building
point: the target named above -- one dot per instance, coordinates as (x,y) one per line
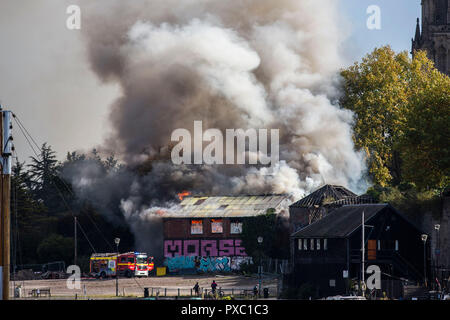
(203,234)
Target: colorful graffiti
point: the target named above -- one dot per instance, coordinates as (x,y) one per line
(204,248)
(205,264)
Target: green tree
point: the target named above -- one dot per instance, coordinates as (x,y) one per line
(259,226)
(43,172)
(275,236)
(27,217)
(56,248)
(424,145)
(376,90)
(401,110)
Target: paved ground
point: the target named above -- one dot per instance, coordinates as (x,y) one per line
(134,287)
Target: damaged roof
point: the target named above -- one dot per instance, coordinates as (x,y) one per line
(226,206)
(325,195)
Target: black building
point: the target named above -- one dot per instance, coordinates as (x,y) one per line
(327,254)
(316,205)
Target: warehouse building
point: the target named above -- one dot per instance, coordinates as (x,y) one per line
(203,234)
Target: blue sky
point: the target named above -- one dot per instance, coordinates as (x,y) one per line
(398,21)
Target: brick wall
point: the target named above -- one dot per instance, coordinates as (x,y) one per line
(181,229)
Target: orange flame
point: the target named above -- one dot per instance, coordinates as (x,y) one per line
(183,194)
(160,212)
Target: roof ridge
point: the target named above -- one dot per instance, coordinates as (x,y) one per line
(338,214)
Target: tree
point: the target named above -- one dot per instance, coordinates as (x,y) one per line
(27,217)
(376,90)
(269,226)
(397,102)
(43,172)
(424,144)
(56,248)
(111,163)
(259,226)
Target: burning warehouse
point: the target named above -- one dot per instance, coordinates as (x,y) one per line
(204,233)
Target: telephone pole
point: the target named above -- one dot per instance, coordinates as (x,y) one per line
(363,255)
(75,238)
(6,152)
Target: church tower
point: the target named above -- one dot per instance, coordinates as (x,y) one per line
(434,34)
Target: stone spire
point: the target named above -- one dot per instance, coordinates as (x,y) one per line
(434,36)
(417,37)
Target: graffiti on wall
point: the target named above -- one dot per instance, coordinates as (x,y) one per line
(200,255)
(206,264)
(204,248)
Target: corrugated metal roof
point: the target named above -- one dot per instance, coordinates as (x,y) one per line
(226,206)
(341,222)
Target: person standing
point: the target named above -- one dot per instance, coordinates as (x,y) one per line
(197,289)
(213,287)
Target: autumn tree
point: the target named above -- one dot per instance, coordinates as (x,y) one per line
(397,102)
(424,144)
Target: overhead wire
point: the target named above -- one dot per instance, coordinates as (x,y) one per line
(24,130)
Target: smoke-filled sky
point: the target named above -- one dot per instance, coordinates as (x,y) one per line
(137,70)
(45,77)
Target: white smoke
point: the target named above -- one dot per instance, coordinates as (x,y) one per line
(232,64)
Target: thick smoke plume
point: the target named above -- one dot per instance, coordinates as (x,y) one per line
(232,64)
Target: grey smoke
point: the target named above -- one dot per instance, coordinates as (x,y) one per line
(231,64)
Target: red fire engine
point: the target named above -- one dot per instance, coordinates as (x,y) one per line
(128,264)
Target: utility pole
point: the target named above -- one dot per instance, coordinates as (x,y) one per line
(117,241)
(363,240)
(438,251)
(75,239)
(6,151)
(260,241)
(424,238)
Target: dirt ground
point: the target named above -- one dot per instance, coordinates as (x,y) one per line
(134,287)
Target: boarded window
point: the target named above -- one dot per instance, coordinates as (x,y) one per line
(299,244)
(305,244)
(236,227)
(196,226)
(318,244)
(312,244)
(371,250)
(216,226)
